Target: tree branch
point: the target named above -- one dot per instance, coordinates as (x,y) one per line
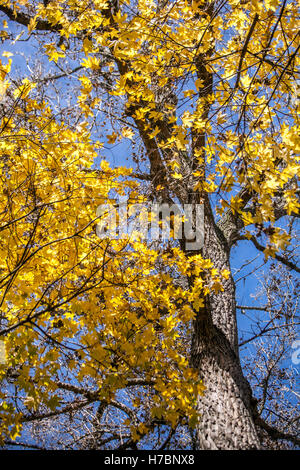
(51,414)
(21,18)
(244,50)
(282,260)
(275,433)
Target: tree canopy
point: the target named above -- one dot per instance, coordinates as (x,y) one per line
(189,102)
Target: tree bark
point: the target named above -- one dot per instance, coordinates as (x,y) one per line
(226,418)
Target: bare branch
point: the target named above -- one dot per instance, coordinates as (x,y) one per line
(276,434)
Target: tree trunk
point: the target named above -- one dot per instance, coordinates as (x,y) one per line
(226,416)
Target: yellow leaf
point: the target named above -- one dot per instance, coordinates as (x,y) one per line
(111,138)
(127,132)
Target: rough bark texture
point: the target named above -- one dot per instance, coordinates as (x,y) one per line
(226,416)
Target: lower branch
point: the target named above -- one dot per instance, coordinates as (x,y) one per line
(274,433)
(282,260)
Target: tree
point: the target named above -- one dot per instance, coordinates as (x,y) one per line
(140,338)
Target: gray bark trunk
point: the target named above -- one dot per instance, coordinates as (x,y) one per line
(226,411)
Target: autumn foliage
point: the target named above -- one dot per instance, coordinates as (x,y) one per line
(207,92)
